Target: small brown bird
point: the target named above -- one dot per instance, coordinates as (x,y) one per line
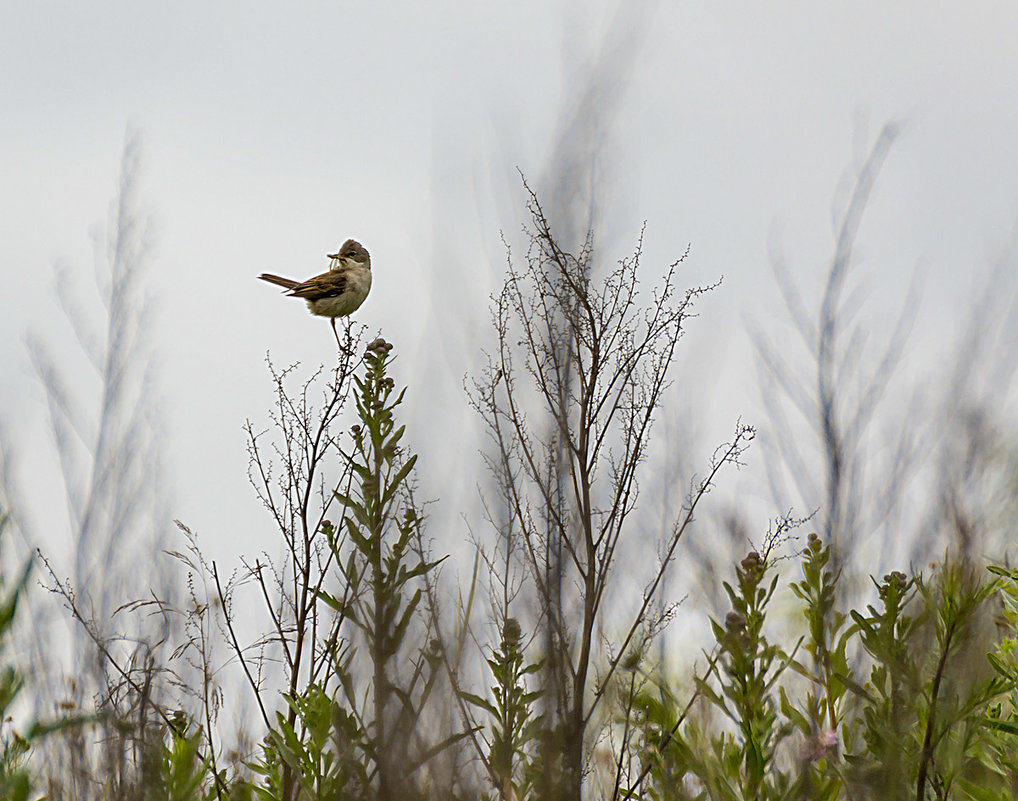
(338,292)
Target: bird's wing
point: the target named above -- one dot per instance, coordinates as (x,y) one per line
(326,285)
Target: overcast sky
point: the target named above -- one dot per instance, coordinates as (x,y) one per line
(272,132)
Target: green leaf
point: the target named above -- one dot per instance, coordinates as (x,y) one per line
(481,703)
(404,471)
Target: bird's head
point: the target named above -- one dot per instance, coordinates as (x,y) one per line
(353,251)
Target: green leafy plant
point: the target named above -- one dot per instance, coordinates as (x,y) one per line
(515,724)
(747,673)
(819,718)
(361,732)
(14,746)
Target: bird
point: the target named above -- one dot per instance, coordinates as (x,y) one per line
(338,292)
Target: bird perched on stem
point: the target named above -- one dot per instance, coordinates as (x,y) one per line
(338,292)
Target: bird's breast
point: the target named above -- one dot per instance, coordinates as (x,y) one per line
(357,287)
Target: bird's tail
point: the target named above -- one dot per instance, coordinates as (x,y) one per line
(286,283)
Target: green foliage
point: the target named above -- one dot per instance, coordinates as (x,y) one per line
(732,752)
(15,783)
(930,689)
(740,765)
(339,738)
(936,716)
(912,696)
(890,717)
(381,537)
(827,640)
(177,770)
(321,755)
(515,724)
(818,718)
(997,751)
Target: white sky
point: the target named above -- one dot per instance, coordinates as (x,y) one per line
(272,132)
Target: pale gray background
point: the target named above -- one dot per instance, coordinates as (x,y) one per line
(272,132)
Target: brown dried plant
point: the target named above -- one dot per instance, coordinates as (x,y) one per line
(569,397)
